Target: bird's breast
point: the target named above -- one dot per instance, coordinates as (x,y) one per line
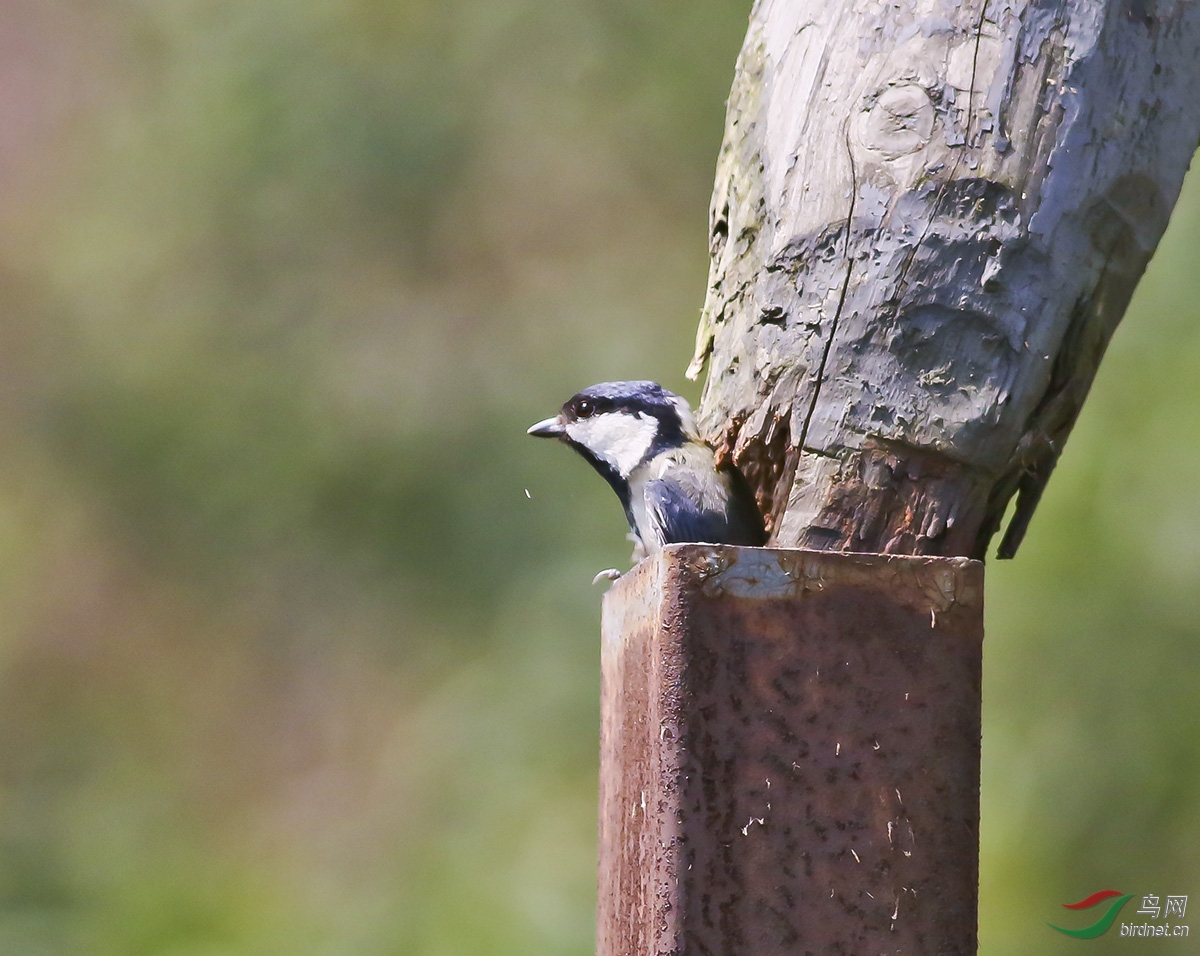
(692,468)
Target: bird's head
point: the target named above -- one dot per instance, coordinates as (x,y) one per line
(618,425)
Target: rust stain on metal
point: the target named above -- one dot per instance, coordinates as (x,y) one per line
(763,711)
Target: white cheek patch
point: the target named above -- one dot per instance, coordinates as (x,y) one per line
(619,438)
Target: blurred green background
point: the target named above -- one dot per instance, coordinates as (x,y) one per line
(298,653)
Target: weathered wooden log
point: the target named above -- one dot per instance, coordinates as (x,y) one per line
(928,219)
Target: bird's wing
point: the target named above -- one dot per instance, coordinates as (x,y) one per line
(674,517)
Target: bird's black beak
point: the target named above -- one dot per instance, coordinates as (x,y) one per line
(550,428)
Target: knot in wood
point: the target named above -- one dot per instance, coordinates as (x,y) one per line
(896,120)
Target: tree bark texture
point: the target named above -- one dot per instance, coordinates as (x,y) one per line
(929,217)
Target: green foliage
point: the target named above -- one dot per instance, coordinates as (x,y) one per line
(297,647)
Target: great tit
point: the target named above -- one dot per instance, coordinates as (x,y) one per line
(643,441)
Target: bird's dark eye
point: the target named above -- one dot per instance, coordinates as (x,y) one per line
(584,409)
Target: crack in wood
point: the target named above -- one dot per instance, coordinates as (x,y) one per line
(837,313)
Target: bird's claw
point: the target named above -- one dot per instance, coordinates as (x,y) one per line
(608,574)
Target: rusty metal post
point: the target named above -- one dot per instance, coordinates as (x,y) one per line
(790,754)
